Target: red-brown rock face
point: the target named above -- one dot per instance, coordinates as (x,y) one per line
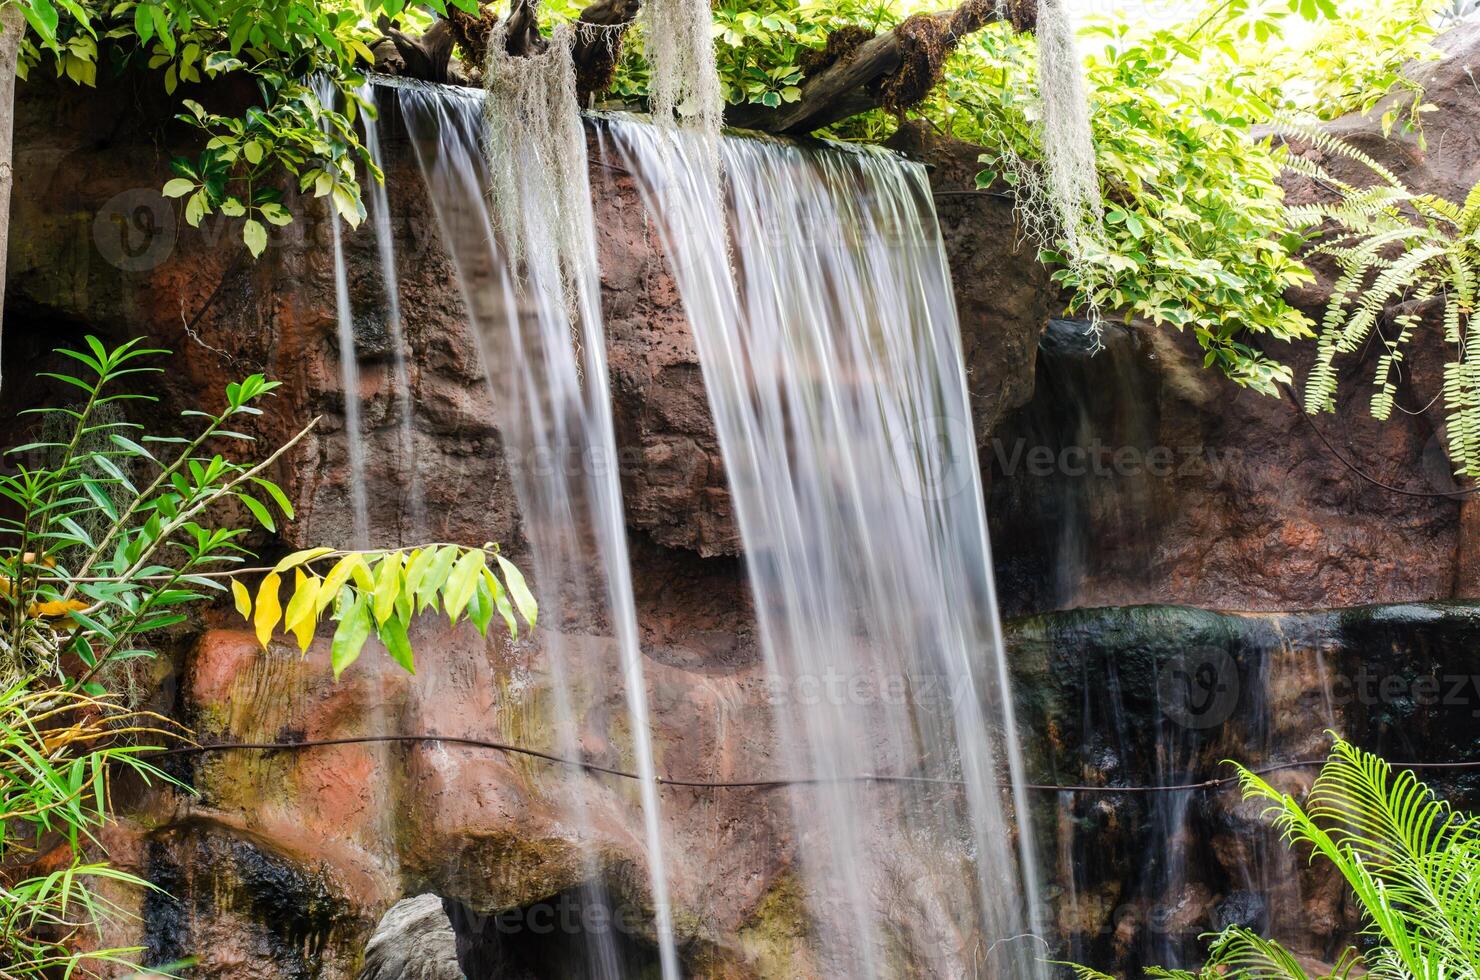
(285,861)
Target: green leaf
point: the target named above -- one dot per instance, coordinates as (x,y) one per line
(276,493)
(263,515)
(436,576)
(350,636)
(143,23)
(462,583)
(480,610)
(397,644)
(387,586)
(254,234)
(523,598)
(178,187)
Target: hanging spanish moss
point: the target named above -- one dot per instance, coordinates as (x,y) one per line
(684,83)
(536,152)
(1060,202)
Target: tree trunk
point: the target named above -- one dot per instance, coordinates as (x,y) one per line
(11,28)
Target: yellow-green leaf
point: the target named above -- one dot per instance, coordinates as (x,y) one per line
(523,598)
(387,586)
(269,610)
(436,577)
(338,575)
(417,564)
(302,614)
(243,599)
(501,601)
(301,558)
(462,583)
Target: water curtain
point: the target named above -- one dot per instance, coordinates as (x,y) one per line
(538,326)
(832,361)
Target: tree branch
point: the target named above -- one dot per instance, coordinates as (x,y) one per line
(895,69)
(859,81)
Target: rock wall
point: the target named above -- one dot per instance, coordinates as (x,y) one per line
(285,861)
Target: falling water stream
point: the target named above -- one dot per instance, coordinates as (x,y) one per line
(541,340)
(817,288)
(827,331)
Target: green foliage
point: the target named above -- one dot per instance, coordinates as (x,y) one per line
(290,135)
(760,45)
(1412,862)
(68,591)
(1399,253)
(380,592)
(1195,233)
(112,538)
(59,751)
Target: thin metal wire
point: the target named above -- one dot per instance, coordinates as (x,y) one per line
(774,783)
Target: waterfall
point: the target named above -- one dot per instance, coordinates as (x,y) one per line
(539,331)
(833,366)
(349,381)
(385,249)
(349,365)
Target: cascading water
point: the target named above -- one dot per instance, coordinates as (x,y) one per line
(833,367)
(349,370)
(380,218)
(540,337)
(349,366)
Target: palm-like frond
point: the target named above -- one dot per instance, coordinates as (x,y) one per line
(1412,862)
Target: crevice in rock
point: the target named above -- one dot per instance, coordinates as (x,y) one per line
(572,935)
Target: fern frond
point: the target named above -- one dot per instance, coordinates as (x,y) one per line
(1326,143)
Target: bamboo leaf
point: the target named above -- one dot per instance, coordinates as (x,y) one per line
(263,515)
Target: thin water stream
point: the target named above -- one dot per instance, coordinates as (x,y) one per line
(540,336)
(821,302)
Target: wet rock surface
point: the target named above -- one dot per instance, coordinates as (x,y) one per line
(1164,695)
(287,861)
